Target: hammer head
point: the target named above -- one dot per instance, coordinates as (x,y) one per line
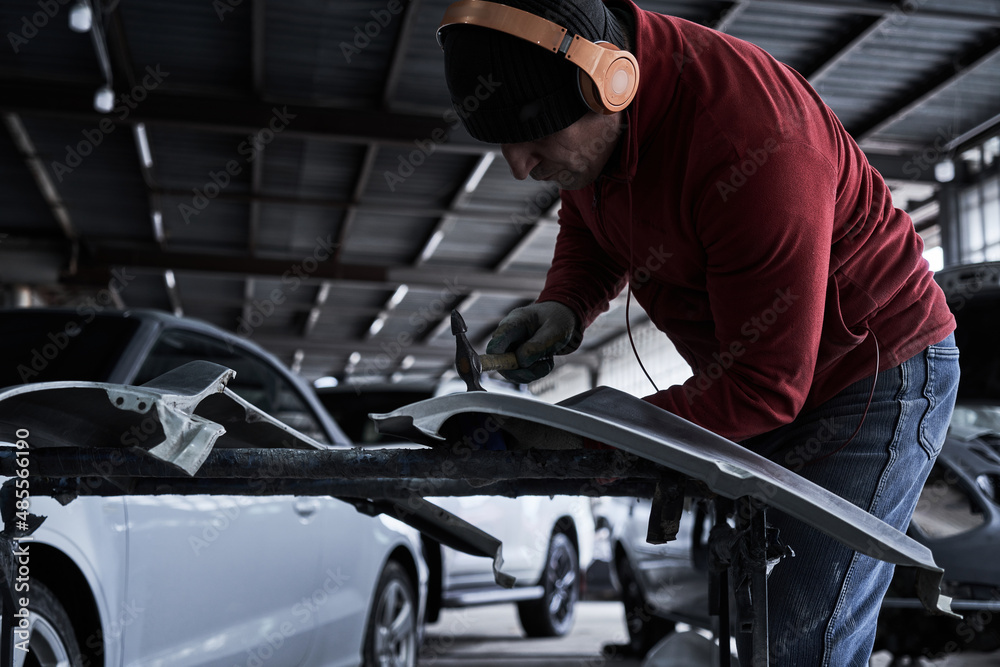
(467,361)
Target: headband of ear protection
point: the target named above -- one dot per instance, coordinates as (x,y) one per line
(609,76)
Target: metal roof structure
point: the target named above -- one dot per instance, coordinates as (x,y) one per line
(293,171)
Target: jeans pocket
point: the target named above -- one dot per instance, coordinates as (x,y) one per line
(939,391)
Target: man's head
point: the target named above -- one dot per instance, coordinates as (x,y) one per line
(534,101)
(573,157)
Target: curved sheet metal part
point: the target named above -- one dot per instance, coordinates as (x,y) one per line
(728,469)
(445,527)
(157,418)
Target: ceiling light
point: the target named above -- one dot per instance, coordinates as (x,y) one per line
(143,141)
(407,362)
(104,99)
(326,382)
(944,171)
(354,358)
(480,171)
(158,227)
(432,245)
(397,296)
(168,275)
(81,19)
(322,294)
(377,325)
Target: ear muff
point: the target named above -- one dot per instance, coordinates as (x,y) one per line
(609,76)
(612,87)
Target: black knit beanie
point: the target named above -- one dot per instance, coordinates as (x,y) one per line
(507,90)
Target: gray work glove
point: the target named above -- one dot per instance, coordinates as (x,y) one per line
(534,333)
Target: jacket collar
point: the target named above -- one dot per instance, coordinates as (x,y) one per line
(658,79)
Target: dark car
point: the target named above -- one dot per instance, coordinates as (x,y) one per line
(198,579)
(957,516)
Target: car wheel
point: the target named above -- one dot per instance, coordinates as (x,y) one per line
(391,638)
(51,641)
(552,615)
(645,628)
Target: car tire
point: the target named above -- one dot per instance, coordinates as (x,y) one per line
(52,641)
(645,628)
(391,636)
(552,615)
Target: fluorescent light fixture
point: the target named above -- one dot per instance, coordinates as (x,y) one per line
(143,141)
(158,226)
(377,324)
(479,171)
(104,99)
(322,294)
(407,362)
(944,171)
(168,275)
(397,296)
(396,377)
(354,359)
(313,316)
(81,19)
(432,245)
(326,382)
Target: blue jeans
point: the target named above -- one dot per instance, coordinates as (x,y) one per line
(823,603)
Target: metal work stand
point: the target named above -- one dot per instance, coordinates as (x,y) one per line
(741,555)
(8,606)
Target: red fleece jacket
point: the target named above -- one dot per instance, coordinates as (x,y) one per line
(753,231)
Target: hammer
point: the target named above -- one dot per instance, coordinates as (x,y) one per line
(470,364)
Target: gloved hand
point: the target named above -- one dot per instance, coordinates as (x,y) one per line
(534,333)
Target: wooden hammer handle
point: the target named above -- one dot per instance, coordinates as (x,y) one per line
(499,362)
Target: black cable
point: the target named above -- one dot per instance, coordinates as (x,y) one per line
(867,406)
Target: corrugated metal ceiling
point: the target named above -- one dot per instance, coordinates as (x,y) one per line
(308,131)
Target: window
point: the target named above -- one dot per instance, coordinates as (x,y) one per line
(945,508)
(979,221)
(256,381)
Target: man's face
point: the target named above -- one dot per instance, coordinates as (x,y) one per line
(572,157)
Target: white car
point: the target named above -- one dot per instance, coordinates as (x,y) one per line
(548,541)
(185,580)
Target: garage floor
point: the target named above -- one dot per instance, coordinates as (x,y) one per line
(491,637)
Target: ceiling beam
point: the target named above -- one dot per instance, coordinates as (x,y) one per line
(395,206)
(915,96)
(403,38)
(257,50)
(119,52)
(457,280)
(869,26)
(730,14)
(19,134)
(235,116)
(870,8)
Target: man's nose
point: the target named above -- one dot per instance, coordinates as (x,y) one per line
(520,158)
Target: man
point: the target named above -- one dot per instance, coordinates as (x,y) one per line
(749,225)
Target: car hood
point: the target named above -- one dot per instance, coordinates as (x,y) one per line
(177,418)
(635,426)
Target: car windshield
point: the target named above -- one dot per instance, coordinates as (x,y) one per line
(977,417)
(47,347)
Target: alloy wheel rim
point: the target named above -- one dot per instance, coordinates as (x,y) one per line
(395,637)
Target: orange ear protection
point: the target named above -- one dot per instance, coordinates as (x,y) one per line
(609,76)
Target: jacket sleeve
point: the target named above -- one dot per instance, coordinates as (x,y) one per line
(582,275)
(767,237)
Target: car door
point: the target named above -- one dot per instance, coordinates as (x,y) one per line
(224,580)
(524,526)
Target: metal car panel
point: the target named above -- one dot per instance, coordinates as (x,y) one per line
(635,426)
